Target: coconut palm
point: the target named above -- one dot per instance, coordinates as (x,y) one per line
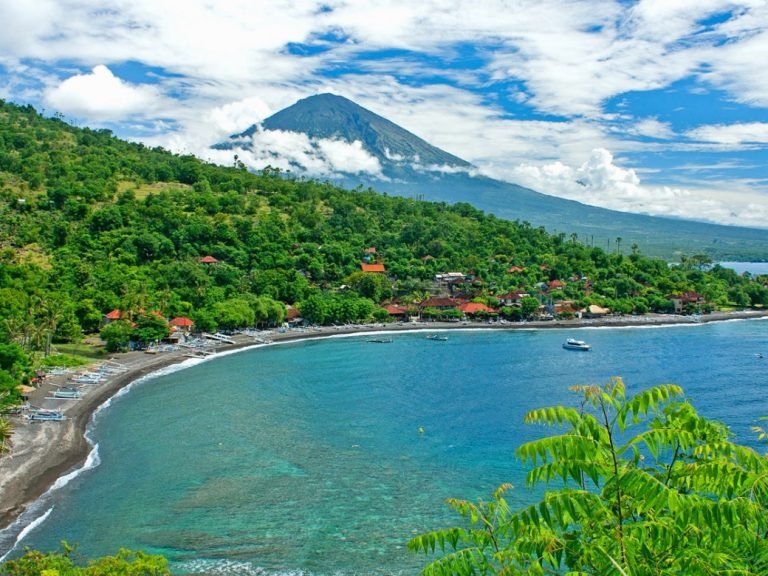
(6,431)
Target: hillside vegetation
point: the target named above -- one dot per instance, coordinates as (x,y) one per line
(90,223)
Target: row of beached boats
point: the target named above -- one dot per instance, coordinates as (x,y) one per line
(73,389)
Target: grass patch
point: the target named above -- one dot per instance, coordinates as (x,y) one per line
(89,352)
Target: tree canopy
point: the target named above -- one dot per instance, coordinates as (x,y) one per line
(648,487)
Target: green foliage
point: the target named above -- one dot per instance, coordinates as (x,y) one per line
(149,328)
(15,368)
(116,335)
(648,487)
(124,563)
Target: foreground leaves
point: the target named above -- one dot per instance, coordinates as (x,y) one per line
(124,563)
(648,487)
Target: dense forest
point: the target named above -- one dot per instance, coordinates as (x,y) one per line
(90,223)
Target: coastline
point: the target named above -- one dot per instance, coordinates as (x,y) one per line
(44,452)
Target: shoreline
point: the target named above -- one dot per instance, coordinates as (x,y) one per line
(44,452)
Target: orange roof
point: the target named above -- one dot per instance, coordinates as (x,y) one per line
(372,267)
(114,315)
(182,322)
(439,302)
(291,313)
(475,307)
(396,309)
(208,260)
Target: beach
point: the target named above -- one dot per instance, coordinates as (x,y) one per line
(45,451)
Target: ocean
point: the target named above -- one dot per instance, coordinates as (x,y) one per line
(324,457)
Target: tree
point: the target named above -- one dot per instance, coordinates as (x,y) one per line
(678,497)
(529,306)
(6,432)
(116,335)
(234,313)
(150,328)
(125,562)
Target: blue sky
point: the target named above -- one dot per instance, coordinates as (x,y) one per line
(658,107)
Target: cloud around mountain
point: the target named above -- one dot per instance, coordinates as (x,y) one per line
(329,136)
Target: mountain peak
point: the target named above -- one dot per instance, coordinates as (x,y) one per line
(333,117)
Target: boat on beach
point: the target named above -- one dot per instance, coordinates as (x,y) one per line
(573,344)
(66,393)
(46,416)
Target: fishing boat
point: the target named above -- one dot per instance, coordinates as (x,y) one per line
(437,337)
(573,344)
(46,416)
(66,393)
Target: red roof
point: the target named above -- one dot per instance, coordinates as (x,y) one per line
(291,313)
(208,260)
(396,309)
(557,284)
(372,267)
(114,315)
(438,302)
(182,322)
(475,307)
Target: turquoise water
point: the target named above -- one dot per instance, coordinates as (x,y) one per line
(307,458)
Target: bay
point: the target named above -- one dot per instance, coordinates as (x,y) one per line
(325,456)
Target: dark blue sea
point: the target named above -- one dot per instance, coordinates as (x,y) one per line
(324,457)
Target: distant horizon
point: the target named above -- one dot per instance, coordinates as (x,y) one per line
(638,106)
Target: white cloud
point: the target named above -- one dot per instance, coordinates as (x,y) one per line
(463,71)
(291,151)
(732,135)
(652,128)
(101,95)
(600,182)
(236,117)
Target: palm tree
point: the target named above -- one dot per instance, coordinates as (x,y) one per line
(6,431)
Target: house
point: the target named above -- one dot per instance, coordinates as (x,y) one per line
(564,307)
(556,285)
(450,277)
(441,303)
(112,316)
(595,311)
(512,298)
(293,316)
(370,254)
(474,308)
(181,324)
(397,311)
(375,267)
(686,299)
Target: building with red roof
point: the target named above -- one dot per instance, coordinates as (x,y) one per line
(375,267)
(472,308)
